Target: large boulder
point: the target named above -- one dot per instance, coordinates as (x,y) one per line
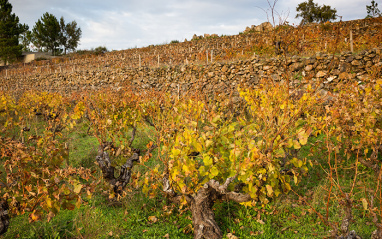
(265,26)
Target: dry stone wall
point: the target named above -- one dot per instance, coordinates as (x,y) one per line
(213,78)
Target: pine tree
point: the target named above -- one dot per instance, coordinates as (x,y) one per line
(311,12)
(70,35)
(47,32)
(10,30)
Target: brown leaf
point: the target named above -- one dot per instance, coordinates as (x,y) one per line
(153,219)
(260,221)
(231,236)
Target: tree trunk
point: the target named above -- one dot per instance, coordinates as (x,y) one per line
(4,217)
(104,162)
(203,218)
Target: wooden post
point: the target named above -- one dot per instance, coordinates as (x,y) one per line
(158,60)
(212,55)
(207,56)
(139,61)
(351,41)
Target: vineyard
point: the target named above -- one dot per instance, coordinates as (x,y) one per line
(116,145)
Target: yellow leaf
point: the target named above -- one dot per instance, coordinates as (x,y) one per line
(207,160)
(209,143)
(49,202)
(77,187)
(247,204)
(303,137)
(33,217)
(216,119)
(214,171)
(296,144)
(269,190)
(175,152)
(185,168)
(202,171)
(198,147)
(364,203)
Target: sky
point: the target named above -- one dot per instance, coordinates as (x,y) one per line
(124,24)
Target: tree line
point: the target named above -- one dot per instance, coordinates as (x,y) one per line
(48,34)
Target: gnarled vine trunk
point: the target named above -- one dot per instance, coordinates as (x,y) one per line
(4,217)
(104,162)
(203,218)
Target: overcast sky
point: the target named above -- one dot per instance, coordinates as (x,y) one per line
(123,24)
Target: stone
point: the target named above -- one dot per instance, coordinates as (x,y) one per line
(320,74)
(344,76)
(350,59)
(356,63)
(308,68)
(344,67)
(267,26)
(296,66)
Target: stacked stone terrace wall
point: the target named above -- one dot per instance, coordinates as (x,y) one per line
(213,78)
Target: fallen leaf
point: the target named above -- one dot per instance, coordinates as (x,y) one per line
(231,236)
(260,221)
(153,219)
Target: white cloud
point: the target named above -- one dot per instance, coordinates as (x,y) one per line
(121,24)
